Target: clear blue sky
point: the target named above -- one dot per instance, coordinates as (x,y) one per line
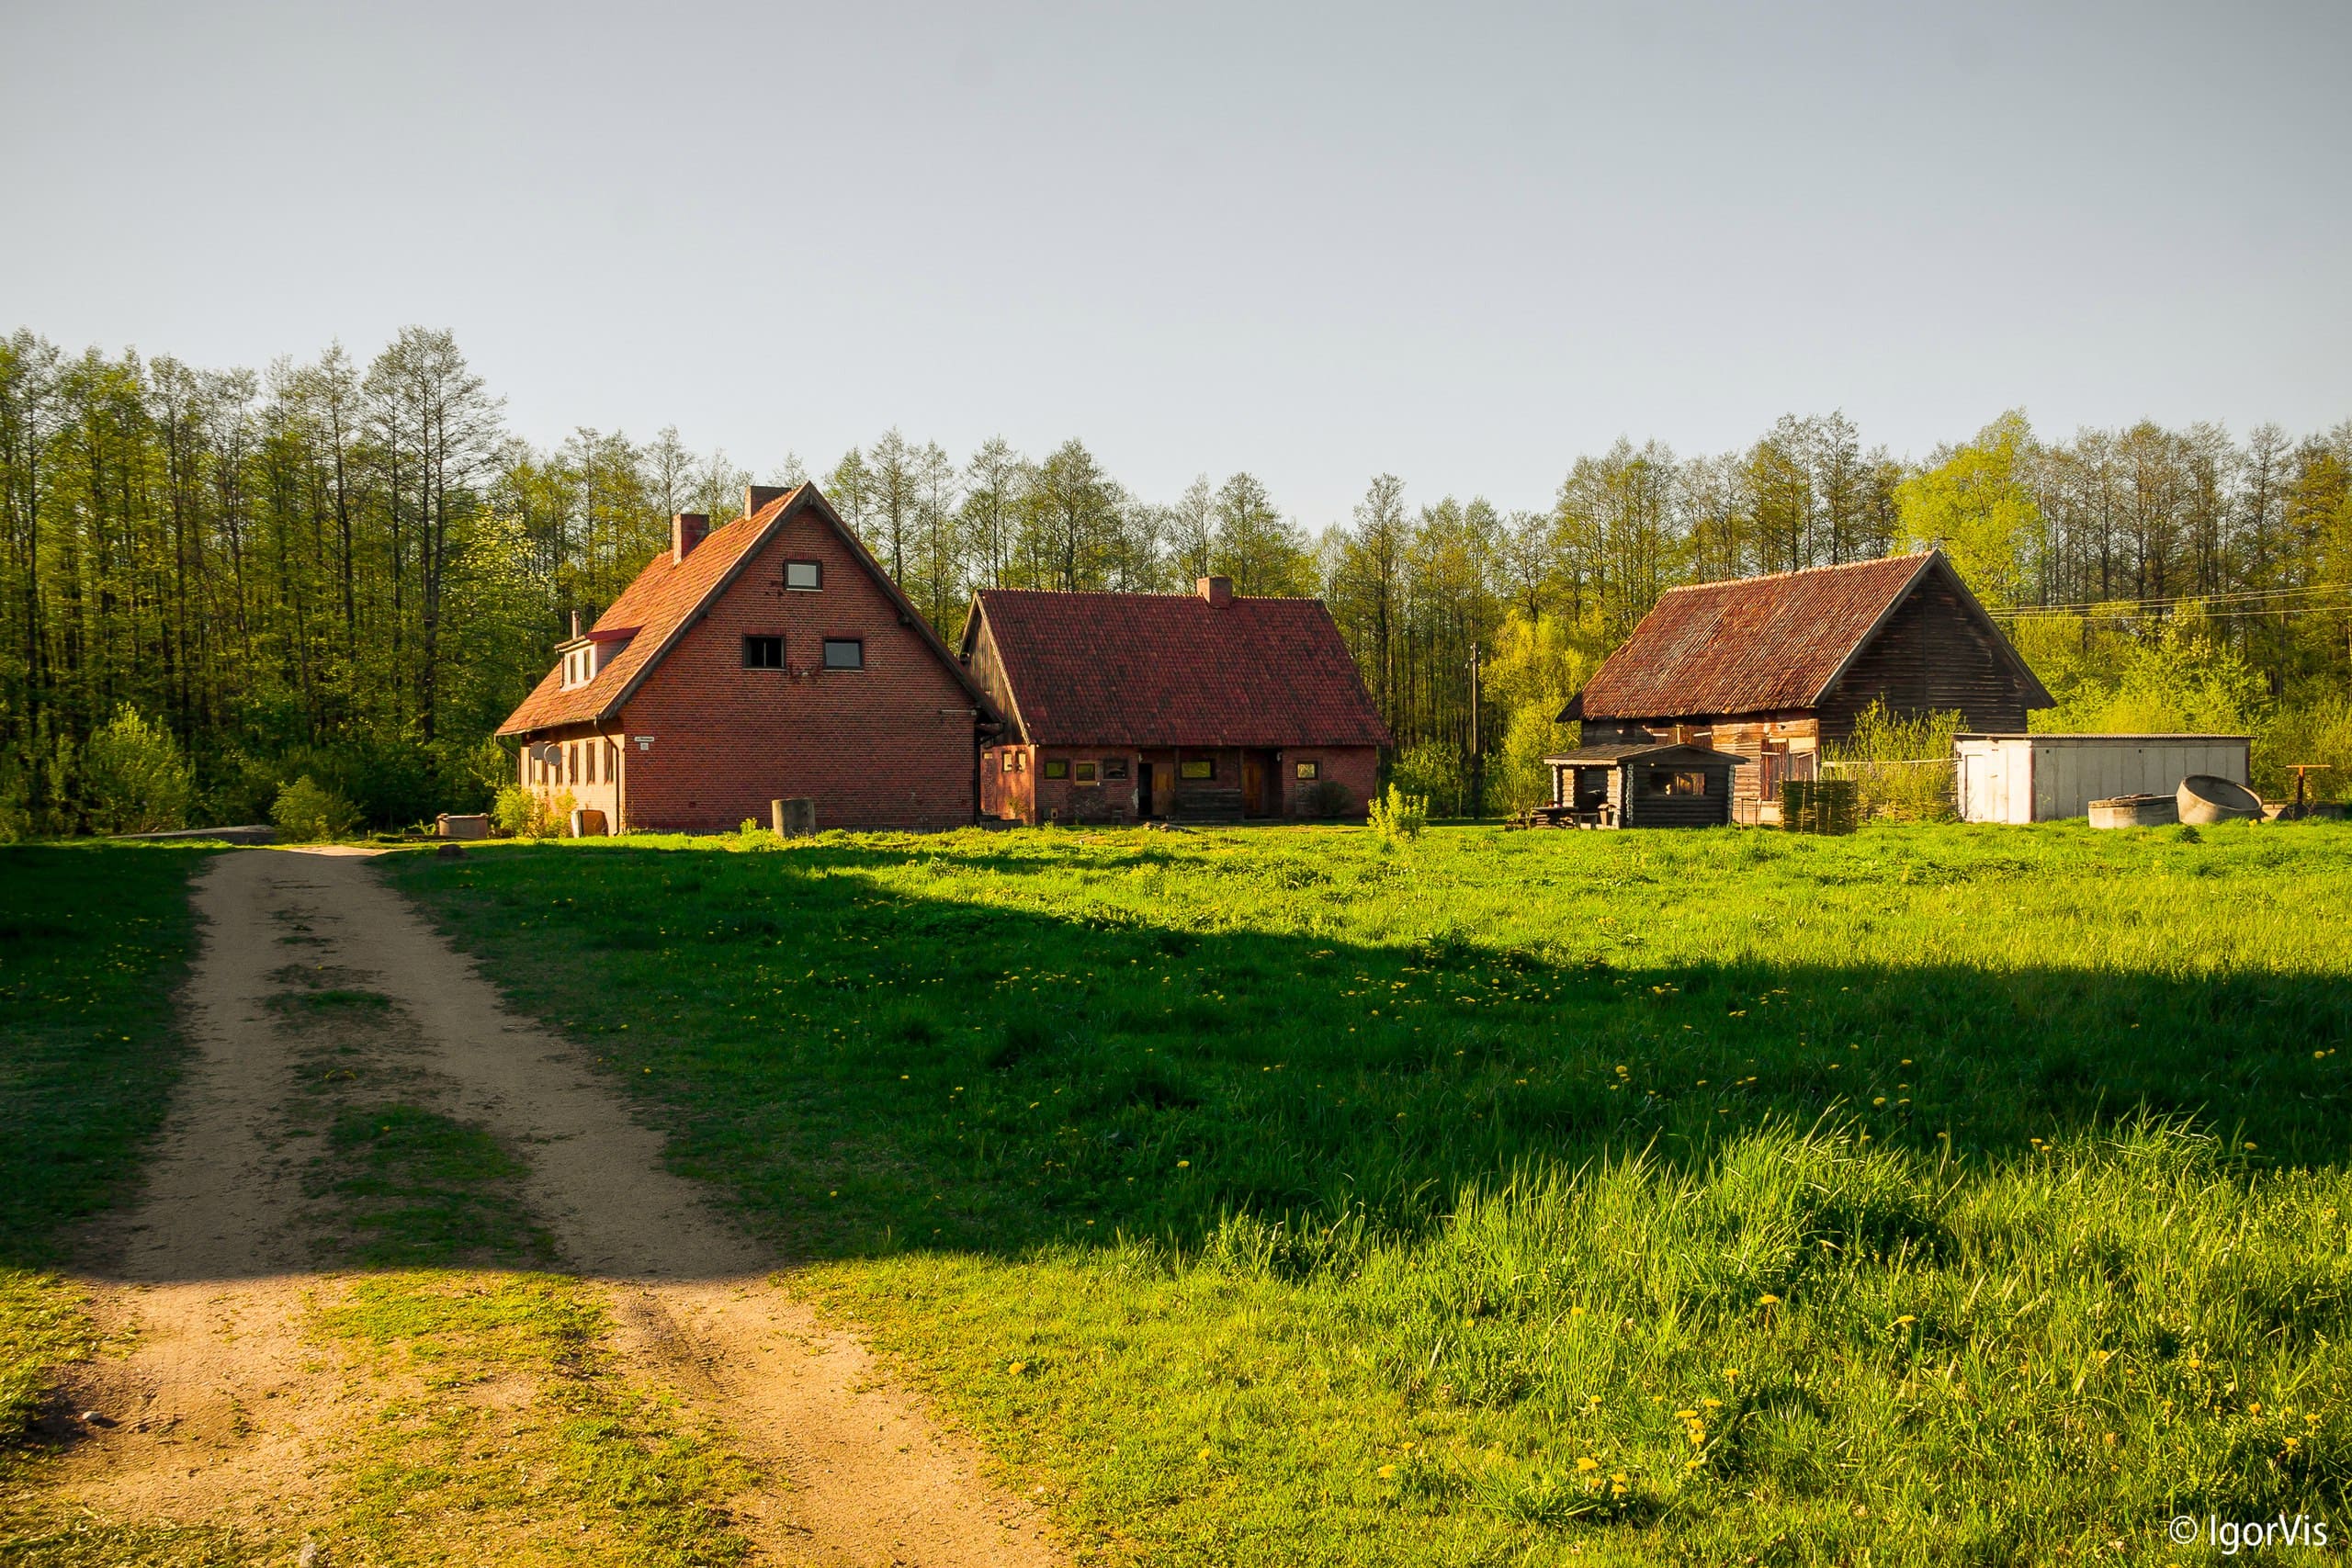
(1461,245)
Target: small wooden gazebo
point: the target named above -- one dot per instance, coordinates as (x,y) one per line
(1641,784)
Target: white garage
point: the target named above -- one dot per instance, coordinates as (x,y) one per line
(2049,778)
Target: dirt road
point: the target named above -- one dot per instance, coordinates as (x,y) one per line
(224,1412)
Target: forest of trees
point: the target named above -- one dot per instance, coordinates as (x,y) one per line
(352,572)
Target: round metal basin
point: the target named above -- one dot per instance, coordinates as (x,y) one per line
(2205,798)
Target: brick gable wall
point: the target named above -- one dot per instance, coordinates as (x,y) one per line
(888,746)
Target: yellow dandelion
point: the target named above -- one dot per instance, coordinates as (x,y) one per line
(1906,1321)
(1386,1470)
(1182,1164)
(1686,1415)
(1587,1462)
(1767,1299)
(1713,1404)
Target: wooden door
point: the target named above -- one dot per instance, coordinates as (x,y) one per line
(1253,787)
(1143,790)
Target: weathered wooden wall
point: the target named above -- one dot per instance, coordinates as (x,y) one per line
(1709,811)
(1931,656)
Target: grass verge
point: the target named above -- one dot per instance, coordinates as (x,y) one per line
(94,939)
(1931,1195)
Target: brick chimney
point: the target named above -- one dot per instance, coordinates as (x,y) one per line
(757,496)
(687,531)
(1217,591)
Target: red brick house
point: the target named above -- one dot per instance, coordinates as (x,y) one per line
(1122,707)
(772,657)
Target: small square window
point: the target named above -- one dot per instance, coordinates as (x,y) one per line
(1086,772)
(1198,768)
(1011,759)
(844,653)
(1057,768)
(803,576)
(1310,770)
(1664,783)
(764,653)
(1114,767)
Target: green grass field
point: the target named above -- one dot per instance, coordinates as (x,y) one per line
(1929,1195)
(92,940)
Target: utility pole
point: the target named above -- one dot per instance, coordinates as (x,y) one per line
(1477,761)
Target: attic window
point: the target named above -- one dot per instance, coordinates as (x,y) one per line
(764,653)
(844,653)
(803,576)
(1010,760)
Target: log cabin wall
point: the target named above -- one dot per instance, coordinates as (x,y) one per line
(1794,733)
(1711,809)
(1930,656)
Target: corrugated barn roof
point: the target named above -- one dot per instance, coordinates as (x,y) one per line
(1751,645)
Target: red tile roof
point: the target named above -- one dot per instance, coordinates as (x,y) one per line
(657,608)
(1747,646)
(658,604)
(1173,669)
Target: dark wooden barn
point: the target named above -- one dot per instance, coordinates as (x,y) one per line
(1773,669)
(1641,784)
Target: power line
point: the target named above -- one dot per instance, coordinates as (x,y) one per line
(2249,596)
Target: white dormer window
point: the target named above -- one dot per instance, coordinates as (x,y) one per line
(582,664)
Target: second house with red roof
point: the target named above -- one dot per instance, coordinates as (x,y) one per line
(1208,707)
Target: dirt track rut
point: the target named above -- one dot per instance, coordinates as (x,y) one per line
(220,1414)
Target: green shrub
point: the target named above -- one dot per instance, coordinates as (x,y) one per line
(2318,732)
(1326,799)
(1430,772)
(1900,767)
(136,778)
(520,813)
(511,813)
(307,811)
(1398,818)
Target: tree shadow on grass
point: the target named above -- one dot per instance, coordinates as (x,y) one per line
(868,1070)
